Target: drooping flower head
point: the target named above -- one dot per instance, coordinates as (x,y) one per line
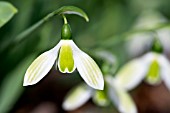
(68,57)
(153,66)
(113,94)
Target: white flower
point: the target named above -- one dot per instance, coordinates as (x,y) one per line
(115,94)
(140,42)
(80,94)
(154,67)
(68,57)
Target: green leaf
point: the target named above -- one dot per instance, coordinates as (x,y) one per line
(12,86)
(73,10)
(7,11)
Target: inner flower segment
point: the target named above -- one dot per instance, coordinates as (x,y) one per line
(66,61)
(153,73)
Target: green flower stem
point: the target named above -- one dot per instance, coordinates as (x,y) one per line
(22,36)
(61,11)
(65,19)
(27,32)
(66,30)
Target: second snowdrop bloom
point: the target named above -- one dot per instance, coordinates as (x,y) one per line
(68,57)
(152,67)
(114,94)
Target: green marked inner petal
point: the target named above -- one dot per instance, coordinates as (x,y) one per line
(153,73)
(100,98)
(66,62)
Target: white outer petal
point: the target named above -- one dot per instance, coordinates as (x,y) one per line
(165,70)
(120,97)
(77,97)
(131,74)
(87,68)
(41,66)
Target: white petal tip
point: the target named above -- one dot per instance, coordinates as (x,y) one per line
(66,107)
(41,66)
(100,86)
(77,97)
(27,81)
(28,84)
(25,84)
(69,107)
(87,68)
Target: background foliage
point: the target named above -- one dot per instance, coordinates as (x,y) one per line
(109,21)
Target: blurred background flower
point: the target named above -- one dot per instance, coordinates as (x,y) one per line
(112,95)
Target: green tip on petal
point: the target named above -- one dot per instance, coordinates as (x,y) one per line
(66,62)
(153,74)
(100,98)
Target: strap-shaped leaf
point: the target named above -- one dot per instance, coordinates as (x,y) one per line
(11,87)
(7,11)
(73,10)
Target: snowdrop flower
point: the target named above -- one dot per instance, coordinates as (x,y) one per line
(68,57)
(140,42)
(80,94)
(153,66)
(115,94)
